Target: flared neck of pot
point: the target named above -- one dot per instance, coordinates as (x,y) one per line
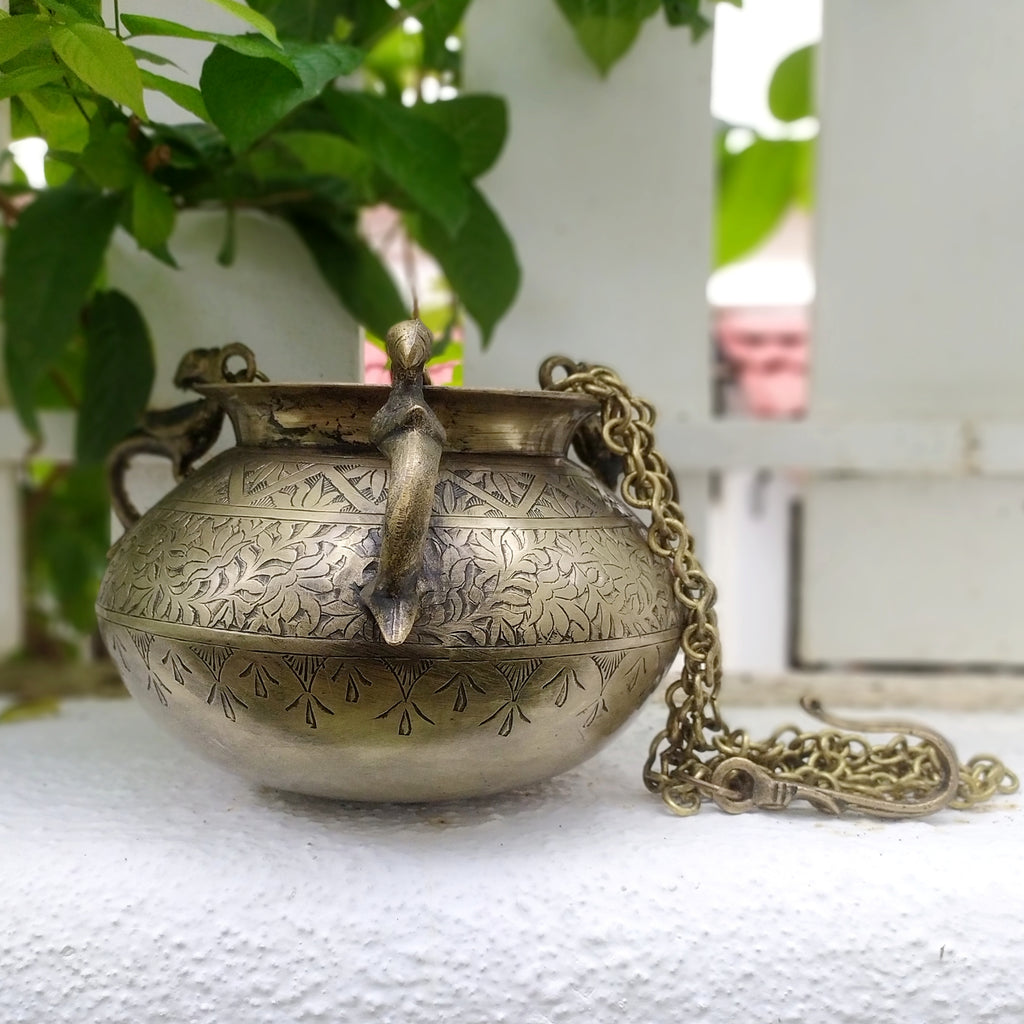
(337,417)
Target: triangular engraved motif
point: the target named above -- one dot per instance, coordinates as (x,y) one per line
(506,492)
(228,700)
(563,679)
(637,671)
(177,666)
(212,657)
(260,677)
(311,703)
(517,672)
(408,672)
(356,679)
(305,667)
(462,682)
(607,663)
(271,479)
(142,642)
(590,713)
(347,497)
(119,651)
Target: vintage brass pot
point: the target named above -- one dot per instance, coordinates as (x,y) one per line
(383,595)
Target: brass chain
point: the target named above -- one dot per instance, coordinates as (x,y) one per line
(893,777)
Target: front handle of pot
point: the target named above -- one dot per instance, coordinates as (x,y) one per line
(411,436)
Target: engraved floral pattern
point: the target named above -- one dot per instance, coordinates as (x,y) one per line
(509,581)
(494,587)
(400,696)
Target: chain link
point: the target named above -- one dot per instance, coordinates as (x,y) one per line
(696,740)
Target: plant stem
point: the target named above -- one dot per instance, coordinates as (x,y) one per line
(8,210)
(117,18)
(71,91)
(275,199)
(63,385)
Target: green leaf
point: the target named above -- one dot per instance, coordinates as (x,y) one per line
(20,33)
(477,122)
(76,11)
(187,97)
(58,118)
(791,92)
(68,542)
(102,61)
(440,20)
(109,159)
(152,58)
(90,10)
(26,710)
(479,261)
(249,45)
(26,80)
(324,153)
(687,13)
(247,97)
(353,273)
(194,143)
(606,29)
(311,20)
(153,213)
(320,63)
(118,375)
(756,187)
(396,62)
(247,14)
(417,156)
(52,257)
(317,20)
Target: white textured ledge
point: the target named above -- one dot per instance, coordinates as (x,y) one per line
(138,884)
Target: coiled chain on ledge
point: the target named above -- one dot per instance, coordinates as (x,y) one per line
(696,739)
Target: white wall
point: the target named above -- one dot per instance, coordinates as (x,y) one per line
(920,245)
(605,187)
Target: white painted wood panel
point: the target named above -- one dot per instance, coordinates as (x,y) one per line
(920,245)
(606,188)
(11,574)
(920,227)
(922,572)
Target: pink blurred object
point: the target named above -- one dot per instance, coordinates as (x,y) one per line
(375,367)
(767,351)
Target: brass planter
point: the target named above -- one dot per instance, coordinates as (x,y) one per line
(258,609)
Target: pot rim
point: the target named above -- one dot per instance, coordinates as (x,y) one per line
(339,415)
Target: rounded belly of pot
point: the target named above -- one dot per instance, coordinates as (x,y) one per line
(233,612)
